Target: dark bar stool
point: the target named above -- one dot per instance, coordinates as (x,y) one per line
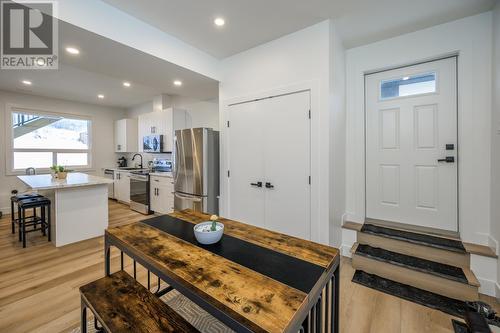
(44,219)
(14,200)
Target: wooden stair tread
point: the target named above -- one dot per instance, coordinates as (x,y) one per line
(422,265)
(415,238)
(349,225)
(481,250)
(421,296)
(121,304)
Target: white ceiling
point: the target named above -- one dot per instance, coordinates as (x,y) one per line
(101,67)
(252,22)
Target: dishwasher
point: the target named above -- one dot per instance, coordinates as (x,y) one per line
(110,174)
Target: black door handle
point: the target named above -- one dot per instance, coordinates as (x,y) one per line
(448,159)
(258,184)
(269,185)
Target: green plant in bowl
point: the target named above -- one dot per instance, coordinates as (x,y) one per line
(214,219)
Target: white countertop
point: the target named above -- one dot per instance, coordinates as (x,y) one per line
(74,179)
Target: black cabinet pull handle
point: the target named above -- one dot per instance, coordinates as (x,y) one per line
(258,184)
(269,185)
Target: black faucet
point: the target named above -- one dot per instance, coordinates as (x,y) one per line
(133,158)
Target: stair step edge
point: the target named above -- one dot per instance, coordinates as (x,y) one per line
(397,235)
(468,279)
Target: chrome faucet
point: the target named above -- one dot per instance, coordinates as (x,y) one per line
(133,158)
(30,171)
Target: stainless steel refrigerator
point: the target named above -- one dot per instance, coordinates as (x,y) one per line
(196,170)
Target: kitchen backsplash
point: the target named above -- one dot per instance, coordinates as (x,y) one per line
(146,158)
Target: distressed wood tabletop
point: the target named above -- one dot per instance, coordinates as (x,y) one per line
(261,279)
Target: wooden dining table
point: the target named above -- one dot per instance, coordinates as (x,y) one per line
(253,279)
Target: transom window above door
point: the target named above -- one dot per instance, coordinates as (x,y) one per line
(40,140)
(418,84)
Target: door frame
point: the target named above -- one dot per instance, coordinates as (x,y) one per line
(320,201)
(457,149)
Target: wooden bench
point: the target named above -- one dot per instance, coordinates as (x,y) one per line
(121,304)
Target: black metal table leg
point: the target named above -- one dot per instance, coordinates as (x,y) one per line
(336,301)
(43,222)
(12,217)
(83,320)
(23,227)
(121,260)
(19,222)
(48,221)
(107,258)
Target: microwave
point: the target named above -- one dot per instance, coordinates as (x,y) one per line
(152,144)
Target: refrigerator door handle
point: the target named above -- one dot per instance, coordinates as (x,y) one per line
(187,197)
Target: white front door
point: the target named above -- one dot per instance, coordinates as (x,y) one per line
(411,145)
(268,141)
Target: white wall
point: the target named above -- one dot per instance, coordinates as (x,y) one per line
(135,111)
(337,136)
(297,60)
(202,113)
(102,134)
(470,38)
(495,138)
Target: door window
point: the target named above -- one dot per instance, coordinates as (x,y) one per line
(408,86)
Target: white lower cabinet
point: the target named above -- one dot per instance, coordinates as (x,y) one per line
(161,194)
(122,186)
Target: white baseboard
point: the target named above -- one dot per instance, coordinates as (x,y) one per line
(493,243)
(488,287)
(343,219)
(5,210)
(354,218)
(345,250)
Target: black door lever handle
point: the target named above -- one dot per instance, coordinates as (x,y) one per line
(448,159)
(269,185)
(258,184)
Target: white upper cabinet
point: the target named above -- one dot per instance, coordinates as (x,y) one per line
(165,123)
(126,136)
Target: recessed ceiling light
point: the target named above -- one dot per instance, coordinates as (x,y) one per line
(27,82)
(219,21)
(178,83)
(126,84)
(100,96)
(406,78)
(72,50)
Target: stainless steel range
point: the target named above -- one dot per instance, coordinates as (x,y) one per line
(139,192)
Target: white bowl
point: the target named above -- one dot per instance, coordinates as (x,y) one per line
(205,236)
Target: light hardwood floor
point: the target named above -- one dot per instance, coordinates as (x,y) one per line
(39,288)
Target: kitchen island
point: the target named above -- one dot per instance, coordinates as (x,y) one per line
(79,205)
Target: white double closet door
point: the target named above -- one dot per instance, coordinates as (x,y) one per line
(268,145)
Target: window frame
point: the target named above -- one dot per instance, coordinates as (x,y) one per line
(9,139)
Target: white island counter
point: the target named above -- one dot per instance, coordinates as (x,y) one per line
(79,205)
